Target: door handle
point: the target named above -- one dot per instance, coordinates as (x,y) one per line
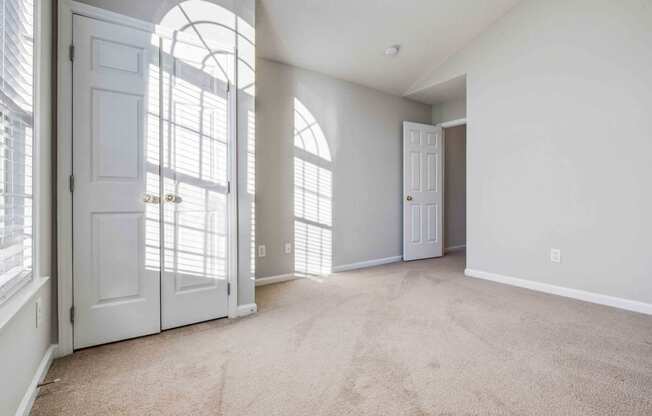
(151,199)
(172,198)
(409,198)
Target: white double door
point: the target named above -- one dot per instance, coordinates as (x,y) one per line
(422,191)
(150,170)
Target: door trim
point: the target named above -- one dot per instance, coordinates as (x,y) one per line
(452,123)
(64,216)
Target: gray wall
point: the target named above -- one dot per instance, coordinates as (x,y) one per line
(559,144)
(449,110)
(363,128)
(147,10)
(455,187)
(22,344)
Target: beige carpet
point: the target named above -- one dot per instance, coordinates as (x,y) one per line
(403,339)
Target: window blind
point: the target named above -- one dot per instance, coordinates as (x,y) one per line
(16,143)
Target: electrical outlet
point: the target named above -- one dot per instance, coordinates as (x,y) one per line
(287,248)
(262,251)
(555,255)
(39,313)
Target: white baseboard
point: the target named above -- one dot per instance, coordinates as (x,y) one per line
(248,309)
(275,279)
(454,248)
(630,305)
(365,264)
(25,406)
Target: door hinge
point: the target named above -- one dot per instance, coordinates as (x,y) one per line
(72,314)
(228,187)
(228,289)
(71,183)
(71,52)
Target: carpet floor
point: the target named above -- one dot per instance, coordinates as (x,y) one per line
(414,338)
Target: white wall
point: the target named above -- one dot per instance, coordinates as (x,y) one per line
(363,128)
(559,144)
(449,110)
(22,344)
(147,10)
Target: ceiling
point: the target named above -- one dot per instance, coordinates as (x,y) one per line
(346,39)
(451,90)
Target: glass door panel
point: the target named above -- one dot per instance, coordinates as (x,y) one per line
(195,187)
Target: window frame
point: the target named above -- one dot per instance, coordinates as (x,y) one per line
(11,288)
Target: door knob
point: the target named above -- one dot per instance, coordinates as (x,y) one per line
(176,199)
(151,199)
(409,198)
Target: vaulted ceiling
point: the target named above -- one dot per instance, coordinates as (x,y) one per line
(346,39)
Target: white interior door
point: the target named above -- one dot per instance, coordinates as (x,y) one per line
(422,191)
(145,181)
(116,260)
(196,175)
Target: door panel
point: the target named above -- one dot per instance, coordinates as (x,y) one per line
(422,191)
(116,238)
(116,278)
(416,224)
(117,138)
(112,55)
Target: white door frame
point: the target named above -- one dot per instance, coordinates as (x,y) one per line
(64,169)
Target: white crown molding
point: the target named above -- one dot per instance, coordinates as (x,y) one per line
(452,123)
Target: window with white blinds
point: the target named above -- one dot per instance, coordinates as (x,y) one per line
(16,143)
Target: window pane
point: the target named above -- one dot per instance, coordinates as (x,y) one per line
(16,142)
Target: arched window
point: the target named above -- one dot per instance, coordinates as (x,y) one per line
(205,37)
(308,135)
(198,66)
(313,185)
(214,27)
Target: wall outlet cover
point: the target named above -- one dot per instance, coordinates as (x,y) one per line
(555,255)
(287,248)
(262,251)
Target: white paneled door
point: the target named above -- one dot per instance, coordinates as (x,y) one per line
(196,186)
(116,276)
(122,148)
(422,191)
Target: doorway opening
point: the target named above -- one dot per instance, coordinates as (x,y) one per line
(434,188)
(455,188)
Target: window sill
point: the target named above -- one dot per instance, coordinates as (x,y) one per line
(15,303)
